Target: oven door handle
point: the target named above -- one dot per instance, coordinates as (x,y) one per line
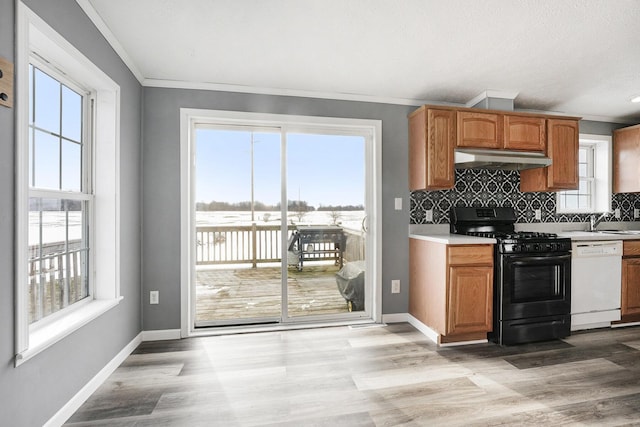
(520,258)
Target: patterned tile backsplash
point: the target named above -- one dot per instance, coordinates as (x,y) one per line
(483,187)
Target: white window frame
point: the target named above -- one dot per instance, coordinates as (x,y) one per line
(35,35)
(601,183)
(85,194)
(189,117)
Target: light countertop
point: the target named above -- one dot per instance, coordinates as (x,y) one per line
(587,235)
(460,239)
(453,239)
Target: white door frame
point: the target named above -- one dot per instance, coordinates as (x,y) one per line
(189,118)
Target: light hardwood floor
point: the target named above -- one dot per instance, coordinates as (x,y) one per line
(371,376)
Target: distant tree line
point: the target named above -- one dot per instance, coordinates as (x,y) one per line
(341,208)
(54,205)
(292,205)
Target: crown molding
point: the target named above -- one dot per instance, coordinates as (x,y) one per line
(220,87)
(97,20)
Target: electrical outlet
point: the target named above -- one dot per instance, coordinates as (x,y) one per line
(538,214)
(428,215)
(154,297)
(636,213)
(398,203)
(395,286)
(617,213)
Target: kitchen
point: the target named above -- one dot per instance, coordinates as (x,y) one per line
(349,59)
(547,276)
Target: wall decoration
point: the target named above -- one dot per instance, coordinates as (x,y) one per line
(484,187)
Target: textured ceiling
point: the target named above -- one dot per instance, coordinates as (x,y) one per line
(578,57)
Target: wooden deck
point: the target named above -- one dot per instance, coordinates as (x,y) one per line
(225,294)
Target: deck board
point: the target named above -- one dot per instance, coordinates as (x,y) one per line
(241,293)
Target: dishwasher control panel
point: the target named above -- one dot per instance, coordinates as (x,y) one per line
(597,248)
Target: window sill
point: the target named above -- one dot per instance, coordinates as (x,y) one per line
(574,212)
(53,332)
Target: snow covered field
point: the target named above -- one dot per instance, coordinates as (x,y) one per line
(54,223)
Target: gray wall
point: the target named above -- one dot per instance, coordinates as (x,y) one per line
(161,177)
(33,392)
(599,128)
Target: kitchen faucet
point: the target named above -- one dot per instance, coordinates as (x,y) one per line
(594,220)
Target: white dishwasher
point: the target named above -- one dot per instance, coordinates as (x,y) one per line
(596,268)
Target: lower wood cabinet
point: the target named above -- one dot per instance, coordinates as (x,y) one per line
(451,289)
(470,299)
(630,304)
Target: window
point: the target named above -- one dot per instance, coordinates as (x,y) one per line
(67,150)
(60,195)
(594,170)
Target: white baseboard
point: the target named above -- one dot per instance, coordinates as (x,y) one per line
(427,331)
(395,318)
(161,335)
(85,392)
(624,325)
(435,337)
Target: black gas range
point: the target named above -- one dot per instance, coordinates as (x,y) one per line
(532,275)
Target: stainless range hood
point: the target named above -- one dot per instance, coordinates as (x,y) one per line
(469,158)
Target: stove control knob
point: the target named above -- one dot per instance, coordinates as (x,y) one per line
(536,247)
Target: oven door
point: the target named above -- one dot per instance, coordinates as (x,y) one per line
(534,285)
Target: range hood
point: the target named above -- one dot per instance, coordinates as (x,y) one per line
(469,158)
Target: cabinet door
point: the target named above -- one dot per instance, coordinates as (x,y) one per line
(562,148)
(479,130)
(431,145)
(626,158)
(470,301)
(525,133)
(630,287)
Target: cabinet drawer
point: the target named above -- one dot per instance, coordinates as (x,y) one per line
(631,248)
(470,255)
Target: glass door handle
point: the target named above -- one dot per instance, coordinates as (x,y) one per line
(364,224)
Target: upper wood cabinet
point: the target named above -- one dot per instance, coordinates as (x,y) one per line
(479,130)
(562,148)
(525,133)
(435,132)
(626,160)
(432,140)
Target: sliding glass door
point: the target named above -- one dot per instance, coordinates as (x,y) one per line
(326,192)
(238,225)
(279,224)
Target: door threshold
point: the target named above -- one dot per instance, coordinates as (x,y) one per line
(270,327)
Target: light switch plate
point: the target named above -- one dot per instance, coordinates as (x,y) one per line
(398,203)
(154,297)
(538,214)
(395,286)
(636,213)
(617,213)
